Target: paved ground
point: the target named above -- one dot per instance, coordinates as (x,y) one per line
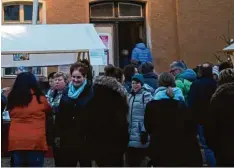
(49,162)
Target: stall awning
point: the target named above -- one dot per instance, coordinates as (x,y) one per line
(229,48)
(46,45)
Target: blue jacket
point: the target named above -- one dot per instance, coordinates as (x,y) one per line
(160,94)
(151,79)
(137,103)
(141,53)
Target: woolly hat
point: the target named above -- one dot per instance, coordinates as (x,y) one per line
(138,78)
(215,70)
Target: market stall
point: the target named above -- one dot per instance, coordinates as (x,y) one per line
(50,45)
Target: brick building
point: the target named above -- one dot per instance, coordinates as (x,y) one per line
(173,29)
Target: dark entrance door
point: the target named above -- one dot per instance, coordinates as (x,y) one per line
(128,35)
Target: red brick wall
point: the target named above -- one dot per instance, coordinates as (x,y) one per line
(164,34)
(200,23)
(66,11)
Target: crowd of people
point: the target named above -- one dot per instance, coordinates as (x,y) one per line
(126,117)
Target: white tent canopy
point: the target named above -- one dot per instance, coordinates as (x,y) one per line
(229,48)
(47,45)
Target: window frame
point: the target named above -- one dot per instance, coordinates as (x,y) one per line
(99,4)
(127,3)
(21,13)
(43,72)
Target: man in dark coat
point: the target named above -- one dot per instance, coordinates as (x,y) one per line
(199,97)
(219,130)
(150,77)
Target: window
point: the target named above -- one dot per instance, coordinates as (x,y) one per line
(35,70)
(28,9)
(116,10)
(130,10)
(12,13)
(20,13)
(102,10)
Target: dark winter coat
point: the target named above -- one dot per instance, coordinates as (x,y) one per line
(107,121)
(70,121)
(151,79)
(173,134)
(199,97)
(219,131)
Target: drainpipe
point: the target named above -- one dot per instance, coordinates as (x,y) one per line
(35,12)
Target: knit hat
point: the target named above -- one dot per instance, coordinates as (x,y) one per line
(178,64)
(215,70)
(138,78)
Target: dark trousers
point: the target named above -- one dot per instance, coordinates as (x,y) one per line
(28,158)
(71,157)
(135,156)
(57,153)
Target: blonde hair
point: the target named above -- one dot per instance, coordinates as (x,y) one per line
(64,75)
(167,80)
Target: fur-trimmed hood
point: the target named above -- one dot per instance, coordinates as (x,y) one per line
(224,89)
(111,83)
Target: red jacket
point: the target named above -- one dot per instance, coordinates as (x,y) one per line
(27,128)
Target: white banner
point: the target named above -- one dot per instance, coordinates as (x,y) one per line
(98,57)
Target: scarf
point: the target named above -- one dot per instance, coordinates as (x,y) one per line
(160,94)
(74,92)
(53,99)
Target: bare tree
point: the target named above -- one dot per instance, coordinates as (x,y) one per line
(228,40)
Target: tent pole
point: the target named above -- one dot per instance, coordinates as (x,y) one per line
(35,12)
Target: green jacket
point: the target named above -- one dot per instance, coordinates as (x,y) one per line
(184,85)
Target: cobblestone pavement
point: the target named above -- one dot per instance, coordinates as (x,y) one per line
(5,162)
(49,162)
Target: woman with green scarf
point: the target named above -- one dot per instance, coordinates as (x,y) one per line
(70,121)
